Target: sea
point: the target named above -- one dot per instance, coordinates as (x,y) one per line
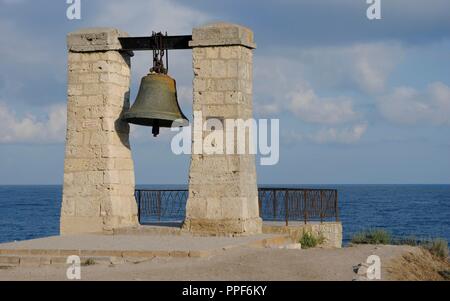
(420,211)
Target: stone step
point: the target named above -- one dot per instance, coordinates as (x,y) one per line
(273,242)
(34,257)
(8,261)
(150,230)
(6,266)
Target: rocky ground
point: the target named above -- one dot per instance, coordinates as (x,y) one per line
(397,263)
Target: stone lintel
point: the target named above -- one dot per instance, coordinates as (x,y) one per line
(222,34)
(95,39)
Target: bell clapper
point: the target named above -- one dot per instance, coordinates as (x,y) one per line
(155,128)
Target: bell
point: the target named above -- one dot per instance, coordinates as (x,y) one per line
(156,104)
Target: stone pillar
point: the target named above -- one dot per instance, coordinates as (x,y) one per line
(98,193)
(223,196)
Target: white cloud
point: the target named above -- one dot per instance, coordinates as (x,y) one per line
(267,109)
(339,135)
(334,135)
(305,104)
(340,69)
(373,63)
(143,16)
(362,66)
(290,83)
(406,105)
(340,123)
(29,128)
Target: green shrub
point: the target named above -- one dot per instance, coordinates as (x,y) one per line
(309,240)
(438,247)
(372,236)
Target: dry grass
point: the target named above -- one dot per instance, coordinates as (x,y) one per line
(420,265)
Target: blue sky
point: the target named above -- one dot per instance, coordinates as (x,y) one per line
(359,101)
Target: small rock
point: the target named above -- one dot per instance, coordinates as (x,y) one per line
(361,269)
(116,260)
(137,260)
(296,246)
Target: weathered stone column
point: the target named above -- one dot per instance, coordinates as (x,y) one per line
(223,197)
(98,193)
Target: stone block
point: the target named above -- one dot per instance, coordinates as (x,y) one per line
(68,206)
(30,261)
(111,177)
(95,39)
(218,69)
(67,253)
(80,224)
(78,67)
(123,164)
(232,68)
(230,53)
(74,89)
(222,34)
(202,68)
(115,151)
(87,207)
(212,52)
(58,261)
(115,78)
(228,84)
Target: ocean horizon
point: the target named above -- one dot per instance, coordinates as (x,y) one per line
(405,210)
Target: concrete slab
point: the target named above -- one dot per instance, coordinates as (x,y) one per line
(140,242)
(331,231)
(129,242)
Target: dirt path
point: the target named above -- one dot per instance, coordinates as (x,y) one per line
(237,264)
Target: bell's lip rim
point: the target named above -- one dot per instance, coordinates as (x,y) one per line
(183,121)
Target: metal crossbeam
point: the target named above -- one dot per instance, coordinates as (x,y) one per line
(148,43)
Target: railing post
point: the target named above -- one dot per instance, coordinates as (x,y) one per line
(139,205)
(305,206)
(261,195)
(336,207)
(274,203)
(158,205)
(321,206)
(286,206)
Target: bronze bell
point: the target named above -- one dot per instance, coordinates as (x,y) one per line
(156,104)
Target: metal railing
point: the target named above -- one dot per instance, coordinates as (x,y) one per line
(156,205)
(287,204)
(275,204)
